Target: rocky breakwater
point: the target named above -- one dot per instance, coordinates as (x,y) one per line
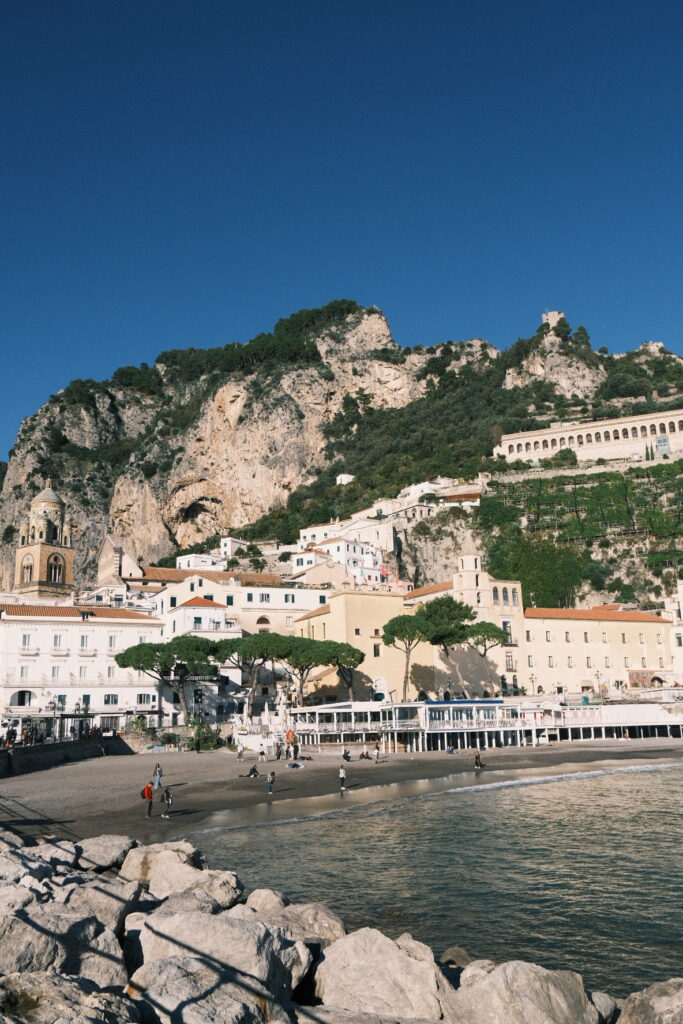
(108,931)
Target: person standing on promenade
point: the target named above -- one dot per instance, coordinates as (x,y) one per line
(156,775)
(477,759)
(262,756)
(342,779)
(270,779)
(148,795)
(240,751)
(167,797)
(376,753)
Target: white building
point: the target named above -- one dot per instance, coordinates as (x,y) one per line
(206,561)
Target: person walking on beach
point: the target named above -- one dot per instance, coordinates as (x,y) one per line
(167,798)
(262,756)
(477,759)
(376,753)
(148,795)
(240,751)
(270,779)
(342,779)
(156,775)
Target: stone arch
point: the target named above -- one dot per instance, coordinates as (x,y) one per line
(545,443)
(515,596)
(672,427)
(22,698)
(511,449)
(506,599)
(55,569)
(624,432)
(662,428)
(634,431)
(570,441)
(653,429)
(589,439)
(643,431)
(27,569)
(537,445)
(680,424)
(496,596)
(553,442)
(527,446)
(598,436)
(579,439)
(519,447)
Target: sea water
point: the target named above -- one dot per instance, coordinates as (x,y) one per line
(578,870)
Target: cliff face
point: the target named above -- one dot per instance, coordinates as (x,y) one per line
(159,479)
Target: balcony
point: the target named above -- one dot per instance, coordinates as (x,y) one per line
(87,652)
(60,652)
(31,652)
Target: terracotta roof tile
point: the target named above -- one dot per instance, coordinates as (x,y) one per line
(248,579)
(72,612)
(324,609)
(200,602)
(431,588)
(602,613)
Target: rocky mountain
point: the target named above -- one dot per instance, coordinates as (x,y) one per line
(206,441)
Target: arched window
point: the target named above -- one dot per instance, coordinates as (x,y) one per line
(553,443)
(643,431)
(545,444)
(55,569)
(33,533)
(519,447)
(579,439)
(536,446)
(653,429)
(672,427)
(496,596)
(505,596)
(527,446)
(511,449)
(27,569)
(634,431)
(589,439)
(515,598)
(563,442)
(624,432)
(662,428)
(680,424)
(598,437)
(21,699)
(570,441)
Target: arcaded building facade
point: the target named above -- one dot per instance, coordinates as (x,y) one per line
(623,438)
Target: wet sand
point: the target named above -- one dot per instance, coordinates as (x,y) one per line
(103,796)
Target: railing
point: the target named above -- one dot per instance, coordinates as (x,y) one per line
(29,651)
(87,652)
(60,652)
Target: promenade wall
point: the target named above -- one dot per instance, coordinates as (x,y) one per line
(46,755)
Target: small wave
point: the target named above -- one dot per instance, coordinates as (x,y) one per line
(542,780)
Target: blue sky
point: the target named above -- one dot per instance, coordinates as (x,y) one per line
(185,173)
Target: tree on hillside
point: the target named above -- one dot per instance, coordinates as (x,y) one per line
(483,636)
(445,622)
(172,664)
(404,632)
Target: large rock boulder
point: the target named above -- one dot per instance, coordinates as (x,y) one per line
(14,897)
(45,998)
(59,853)
(110,900)
(475,971)
(140,861)
(169,875)
(661,1003)
(605,1005)
(522,993)
(366,972)
(10,840)
(308,922)
(194,990)
(43,936)
(104,852)
(15,864)
(246,948)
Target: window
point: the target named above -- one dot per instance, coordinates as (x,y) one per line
(515,599)
(679,640)
(643,663)
(588,663)
(505,596)
(264,598)
(606,662)
(23,672)
(55,569)
(289,621)
(111,698)
(625,662)
(356,631)
(82,672)
(547,635)
(623,638)
(659,639)
(197,622)
(496,596)
(192,588)
(299,561)
(110,671)
(84,643)
(250,598)
(570,663)
(228,600)
(528,636)
(551,663)
(112,643)
(289,598)
(604,638)
(375,650)
(530,661)
(56,640)
(641,639)
(566,637)
(25,639)
(144,698)
(661,662)
(508,661)
(172,602)
(55,671)
(585,638)
(322,599)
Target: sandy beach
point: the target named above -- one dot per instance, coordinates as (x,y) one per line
(103,796)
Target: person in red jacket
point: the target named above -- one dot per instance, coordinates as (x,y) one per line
(148,795)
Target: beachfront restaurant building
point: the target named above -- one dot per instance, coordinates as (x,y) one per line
(461,724)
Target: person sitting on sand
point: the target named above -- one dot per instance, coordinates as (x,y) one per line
(252,773)
(294,764)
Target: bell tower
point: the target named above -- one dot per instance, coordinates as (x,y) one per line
(45,559)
